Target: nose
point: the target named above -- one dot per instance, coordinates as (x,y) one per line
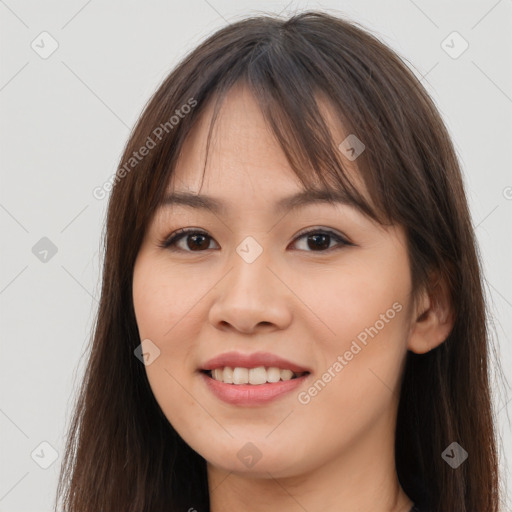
(251,298)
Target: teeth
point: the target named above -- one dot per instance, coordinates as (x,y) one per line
(286,374)
(258,375)
(217,374)
(273,374)
(240,376)
(226,375)
(255,376)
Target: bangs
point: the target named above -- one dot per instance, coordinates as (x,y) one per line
(292,88)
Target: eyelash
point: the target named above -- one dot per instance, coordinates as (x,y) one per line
(170,242)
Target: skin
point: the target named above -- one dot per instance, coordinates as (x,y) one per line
(335,453)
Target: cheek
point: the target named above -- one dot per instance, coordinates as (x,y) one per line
(357,298)
(360,365)
(162,297)
(365,310)
(162,308)
(164,311)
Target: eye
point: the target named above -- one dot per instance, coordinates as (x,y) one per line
(318,240)
(198,240)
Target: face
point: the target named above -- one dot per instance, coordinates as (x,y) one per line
(319,288)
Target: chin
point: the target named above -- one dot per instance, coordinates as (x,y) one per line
(251,461)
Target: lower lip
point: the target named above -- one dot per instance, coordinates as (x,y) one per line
(251,394)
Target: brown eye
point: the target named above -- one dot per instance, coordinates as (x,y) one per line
(195,241)
(320,240)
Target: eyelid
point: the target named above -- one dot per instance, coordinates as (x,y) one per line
(328,231)
(177,235)
(170,241)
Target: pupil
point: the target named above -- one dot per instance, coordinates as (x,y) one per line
(325,238)
(195,244)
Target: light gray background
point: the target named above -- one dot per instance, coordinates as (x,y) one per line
(65,119)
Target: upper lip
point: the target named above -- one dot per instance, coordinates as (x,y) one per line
(238,359)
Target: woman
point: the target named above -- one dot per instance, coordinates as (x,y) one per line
(303,328)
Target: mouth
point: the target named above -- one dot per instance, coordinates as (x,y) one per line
(252,387)
(253,376)
(247,380)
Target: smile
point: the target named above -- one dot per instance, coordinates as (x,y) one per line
(245,394)
(258,378)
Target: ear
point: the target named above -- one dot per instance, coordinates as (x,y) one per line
(433,317)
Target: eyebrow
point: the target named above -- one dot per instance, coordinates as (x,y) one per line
(293,202)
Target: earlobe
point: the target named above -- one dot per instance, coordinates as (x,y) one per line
(433,319)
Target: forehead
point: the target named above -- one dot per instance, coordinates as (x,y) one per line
(244,153)
(241,148)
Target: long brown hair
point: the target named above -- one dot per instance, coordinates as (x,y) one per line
(122,454)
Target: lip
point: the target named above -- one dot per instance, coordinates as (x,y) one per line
(251,394)
(238,359)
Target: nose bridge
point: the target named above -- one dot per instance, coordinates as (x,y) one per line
(249,267)
(250,249)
